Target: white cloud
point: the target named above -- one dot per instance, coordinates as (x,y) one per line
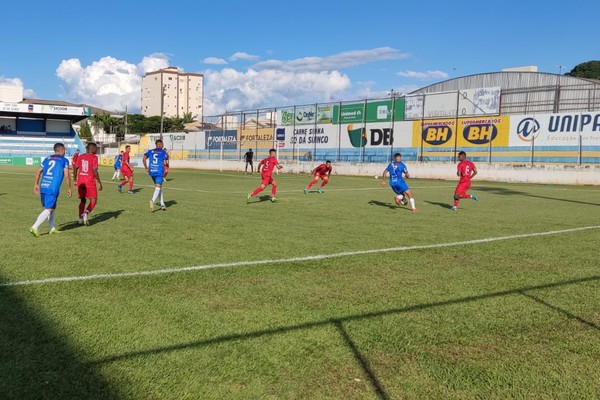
(27,93)
(214,61)
(108,83)
(240,55)
(334,62)
(230,89)
(424,76)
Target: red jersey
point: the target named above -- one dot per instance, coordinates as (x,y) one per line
(86,163)
(465,168)
(323,169)
(268,165)
(75,157)
(125,162)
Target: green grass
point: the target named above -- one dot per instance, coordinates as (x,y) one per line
(517,318)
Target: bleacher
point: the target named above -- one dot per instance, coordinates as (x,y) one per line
(32,130)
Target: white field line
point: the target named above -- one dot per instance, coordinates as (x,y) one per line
(289,260)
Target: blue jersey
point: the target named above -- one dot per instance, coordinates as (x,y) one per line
(396,169)
(156,165)
(118,159)
(53,174)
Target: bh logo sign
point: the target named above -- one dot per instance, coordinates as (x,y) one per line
(528,129)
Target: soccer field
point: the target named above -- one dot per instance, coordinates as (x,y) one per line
(340,295)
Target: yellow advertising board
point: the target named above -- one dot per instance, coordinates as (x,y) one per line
(462,132)
(253,138)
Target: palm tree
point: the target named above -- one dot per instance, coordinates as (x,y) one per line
(175,124)
(187,118)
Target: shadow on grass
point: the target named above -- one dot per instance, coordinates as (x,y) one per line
(339,322)
(94,219)
(443,205)
(510,192)
(260,199)
(37,362)
(391,206)
(170,203)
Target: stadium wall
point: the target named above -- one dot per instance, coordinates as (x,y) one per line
(542,174)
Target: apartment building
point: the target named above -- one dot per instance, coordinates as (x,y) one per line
(181,93)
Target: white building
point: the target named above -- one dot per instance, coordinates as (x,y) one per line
(181,93)
(11,93)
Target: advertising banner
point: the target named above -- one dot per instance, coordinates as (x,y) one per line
(44,109)
(382,134)
(227,138)
(564,129)
(299,115)
(481,101)
(464,132)
(323,136)
(261,138)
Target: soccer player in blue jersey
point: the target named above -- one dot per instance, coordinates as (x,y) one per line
(398,172)
(52,172)
(117,166)
(159,159)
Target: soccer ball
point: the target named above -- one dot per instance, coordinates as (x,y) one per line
(403,200)
(376,177)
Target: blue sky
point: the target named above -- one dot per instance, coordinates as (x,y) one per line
(271,53)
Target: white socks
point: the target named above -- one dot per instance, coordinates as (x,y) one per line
(157,192)
(41,218)
(51,219)
(412,203)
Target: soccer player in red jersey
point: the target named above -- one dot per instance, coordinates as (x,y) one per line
(267,165)
(85,176)
(466,170)
(323,171)
(127,171)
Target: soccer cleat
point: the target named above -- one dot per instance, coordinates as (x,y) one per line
(131,192)
(414,210)
(120,188)
(34,232)
(86,221)
(273,199)
(454,208)
(151,206)
(305,191)
(80,221)
(474,197)
(248,198)
(163,207)
(54,231)
(320,190)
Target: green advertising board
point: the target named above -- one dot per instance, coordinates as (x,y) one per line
(370,111)
(20,161)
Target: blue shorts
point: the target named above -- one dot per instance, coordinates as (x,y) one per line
(399,187)
(158,179)
(117,167)
(49,200)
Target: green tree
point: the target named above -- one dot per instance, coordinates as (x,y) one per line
(85,132)
(588,70)
(187,118)
(173,124)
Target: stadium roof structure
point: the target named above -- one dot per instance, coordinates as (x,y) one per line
(94,110)
(507,80)
(526,92)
